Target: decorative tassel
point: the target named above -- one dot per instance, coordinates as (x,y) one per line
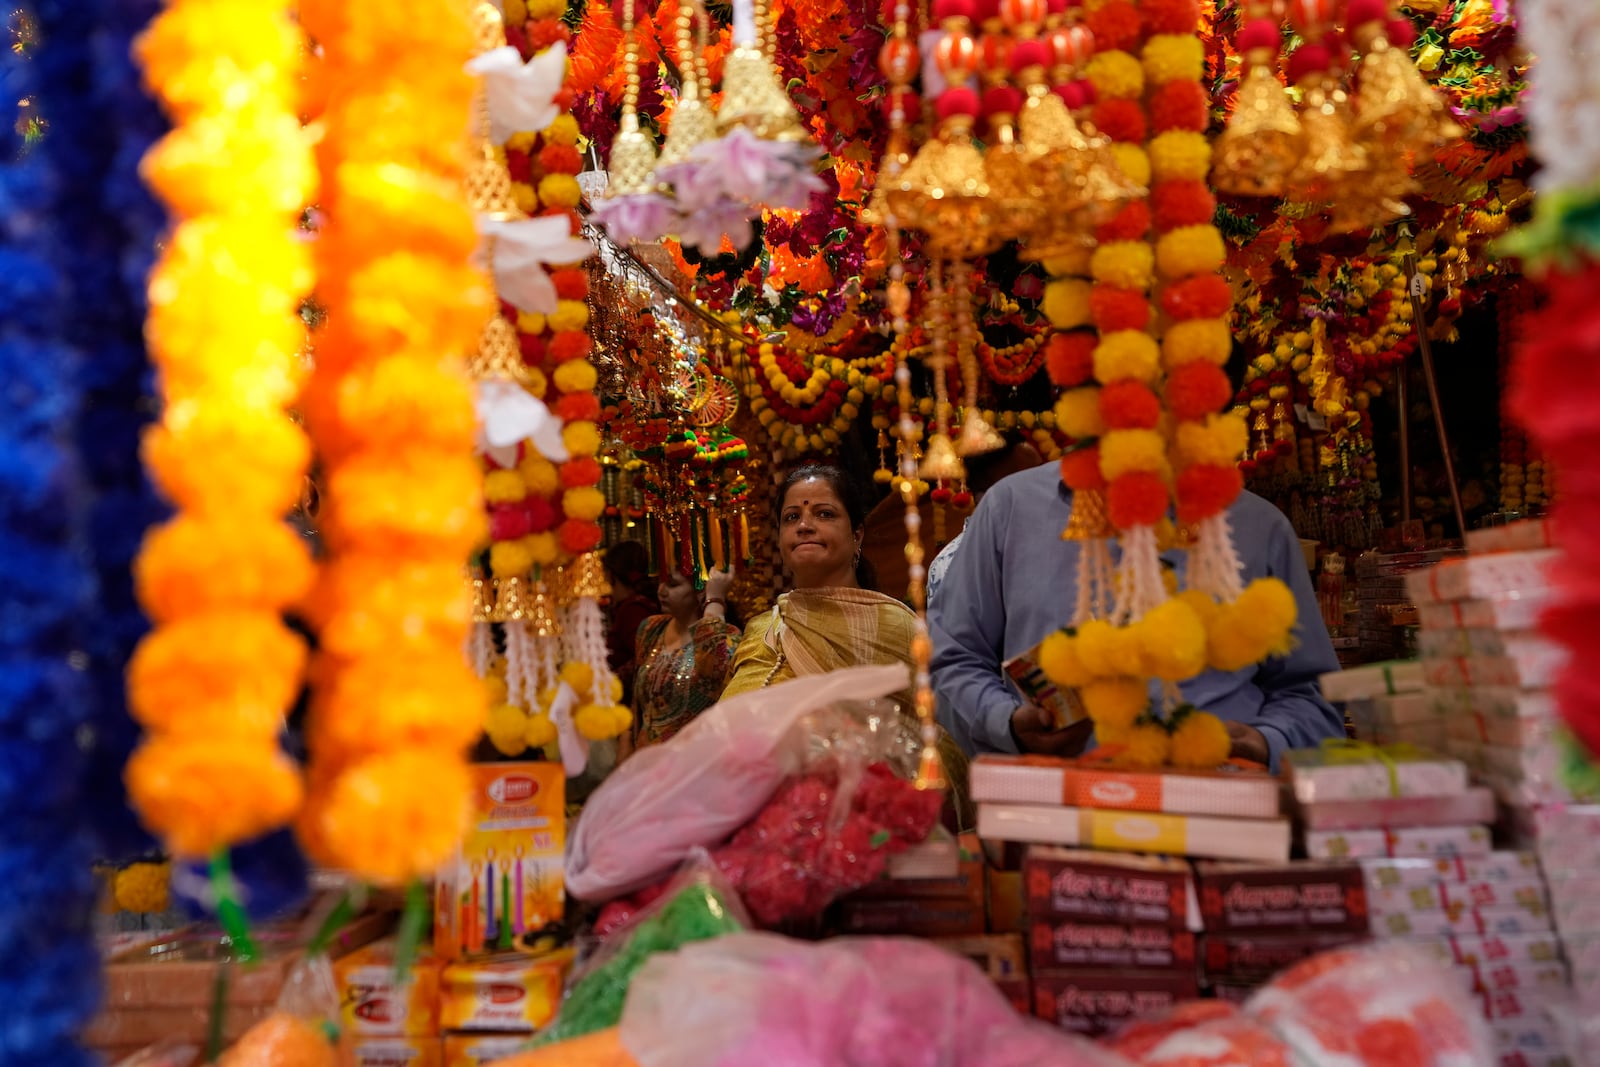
(744,538)
(715,521)
(1138,578)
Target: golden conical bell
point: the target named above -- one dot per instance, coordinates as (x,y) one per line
(693,122)
(1395,106)
(1256,153)
(753,98)
(958,218)
(940,462)
(1014,183)
(510,606)
(633,160)
(1090,520)
(482,600)
(930,769)
(589,580)
(1330,162)
(488,26)
(1081,172)
(977,436)
(542,620)
(499,354)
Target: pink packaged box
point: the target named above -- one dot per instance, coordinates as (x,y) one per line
(1480,950)
(1481,576)
(1532,664)
(1444,896)
(1263,840)
(1476,805)
(1519,1058)
(1510,613)
(1485,977)
(1454,641)
(1512,1005)
(1468,728)
(1525,535)
(1433,734)
(1539,762)
(1515,868)
(1484,922)
(1338,772)
(1371,680)
(1493,702)
(1516,795)
(1230,793)
(1396,710)
(1422,841)
(1518,733)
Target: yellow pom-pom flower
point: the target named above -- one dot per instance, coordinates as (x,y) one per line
(1124,264)
(1196,339)
(1078,413)
(1125,354)
(1220,440)
(1189,250)
(1058,658)
(1094,643)
(576,376)
(543,548)
(1179,156)
(1066,303)
(530,322)
(540,732)
(1170,57)
(579,676)
(564,130)
(1116,75)
(1267,611)
(1204,605)
(1114,702)
(559,190)
(494,689)
(597,722)
(142,888)
(1133,161)
(1074,262)
(1172,641)
(1124,652)
(510,559)
(581,438)
(569,315)
(506,726)
(1200,740)
(1229,647)
(585,503)
(539,475)
(1126,451)
(1148,745)
(504,487)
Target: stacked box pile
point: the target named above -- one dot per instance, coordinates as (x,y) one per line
(1387,703)
(1382,598)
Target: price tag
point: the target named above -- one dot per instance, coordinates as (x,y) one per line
(1419,285)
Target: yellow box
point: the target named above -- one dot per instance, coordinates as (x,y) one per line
(514,994)
(480,1050)
(507,879)
(398,1052)
(372,1004)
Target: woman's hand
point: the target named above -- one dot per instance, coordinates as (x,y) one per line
(718,583)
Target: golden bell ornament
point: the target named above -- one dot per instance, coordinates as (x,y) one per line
(930,769)
(1090,520)
(482,600)
(1331,163)
(753,98)
(1395,106)
(509,603)
(541,613)
(940,462)
(693,124)
(977,436)
(589,580)
(633,160)
(499,354)
(1013,177)
(1257,152)
(956,214)
(1082,181)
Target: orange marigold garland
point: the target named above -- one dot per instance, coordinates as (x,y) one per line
(212,682)
(395,704)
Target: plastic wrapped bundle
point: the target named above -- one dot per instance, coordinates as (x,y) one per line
(1381,1005)
(302,1030)
(697,907)
(705,783)
(875,1002)
(1202,1033)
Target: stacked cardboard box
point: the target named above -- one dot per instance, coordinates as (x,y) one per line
(1383,601)
(933,890)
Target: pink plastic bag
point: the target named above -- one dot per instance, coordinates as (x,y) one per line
(873,1002)
(1385,1004)
(705,783)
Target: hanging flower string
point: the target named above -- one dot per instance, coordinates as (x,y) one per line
(212,682)
(396,704)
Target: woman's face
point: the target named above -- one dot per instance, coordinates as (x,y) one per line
(814,534)
(678,595)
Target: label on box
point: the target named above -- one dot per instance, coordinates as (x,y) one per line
(1479,951)
(370,1001)
(1302,897)
(1109,887)
(1510,867)
(1095,1002)
(1069,944)
(398,1052)
(480,1050)
(515,994)
(506,882)
(1234,956)
(1031,681)
(1528,895)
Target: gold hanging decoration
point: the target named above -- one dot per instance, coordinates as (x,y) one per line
(1331,163)
(509,605)
(1264,140)
(589,578)
(693,122)
(1083,181)
(632,169)
(541,614)
(1090,520)
(752,94)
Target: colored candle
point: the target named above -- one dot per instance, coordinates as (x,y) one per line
(505,895)
(521,892)
(491,920)
(475,929)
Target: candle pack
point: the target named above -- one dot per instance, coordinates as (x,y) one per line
(1476,805)
(1372,680)
(508,993)
(480,1050)
(1229,792)
(397,1052)
(1095,1001)
(372,999)
(1266,840)
(1515,868)
(1054,945)
(1240,957)
(1476,577)
(1511,612)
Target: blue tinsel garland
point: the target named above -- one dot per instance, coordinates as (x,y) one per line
(49,968)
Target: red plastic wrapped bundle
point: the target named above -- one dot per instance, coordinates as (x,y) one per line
(1202,1033)
(1383,1005)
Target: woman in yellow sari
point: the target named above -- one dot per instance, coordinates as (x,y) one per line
(829,620)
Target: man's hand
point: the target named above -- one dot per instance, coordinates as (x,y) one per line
(1034,730)
(1249,743)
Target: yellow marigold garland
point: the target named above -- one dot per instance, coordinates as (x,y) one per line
(212,682)
(395,705)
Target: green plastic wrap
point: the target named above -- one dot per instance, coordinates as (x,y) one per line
(697,910)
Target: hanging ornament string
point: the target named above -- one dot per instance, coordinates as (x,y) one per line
(395,703)
(213,680)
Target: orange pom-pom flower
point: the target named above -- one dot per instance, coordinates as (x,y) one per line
(578,407)
(1129,405)
(1179,105)
(1130,223)
(1204,296)
(573,344)
(579,537)
(1116,309)
(1115,26)
(1206,489)
(1170,16)
(1069,357)
(1080,470)
(580,471)
(1197,389)
(1137,499)
(1120,120)
(1181,203)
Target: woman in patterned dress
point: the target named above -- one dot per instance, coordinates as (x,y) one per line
(683,655)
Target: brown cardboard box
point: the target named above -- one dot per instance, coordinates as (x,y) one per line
(1000,955)
(1068,944)
(138,1027)
(912,917)
(1095,1001)
(1107,887)
(1228,958)
(1008,913)
(1297,898)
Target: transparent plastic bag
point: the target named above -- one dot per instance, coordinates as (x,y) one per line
(1384,1004)
(698,905)
(1202,1033)
(303,1029)
(705,783)
(164,1054)
(759,998)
